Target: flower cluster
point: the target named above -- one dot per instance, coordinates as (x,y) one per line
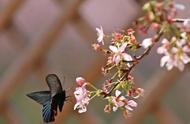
(120,102)
(121,49)
(161,16)
(157,13)
(176,52)
(121,44)
(119,65)
(81,95)
(126,102)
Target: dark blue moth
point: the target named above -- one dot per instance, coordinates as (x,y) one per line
(50,100)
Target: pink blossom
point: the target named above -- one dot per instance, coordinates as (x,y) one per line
(129,106)
(143,29)
(117,100)
(130,31)
(117,36)
(82,99)
(100,34)
(119,53)
(155,25)
(135,92)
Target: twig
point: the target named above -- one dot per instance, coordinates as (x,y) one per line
(179,20)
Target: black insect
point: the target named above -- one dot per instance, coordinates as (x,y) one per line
(50,100)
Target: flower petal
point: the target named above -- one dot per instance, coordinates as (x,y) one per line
(132,103)
(174,50)
(122,47)
(164,60)
(169,66)
(115,108)
(185,58)
(128,108)
(170,63)
(165,41)
(147,43)
(120,103)
(179,64)
(78,91)
(161,50)
(117,59)
(181,42)
(117,93)
(122,98)
(127,57)
(100,35)
(83,109)
(113,49)
(76,105)
(186,49)
(187,23)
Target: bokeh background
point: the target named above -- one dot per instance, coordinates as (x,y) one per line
(38,37)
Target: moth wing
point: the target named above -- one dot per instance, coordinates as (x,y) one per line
(40,97)
(47,112)
(54,84)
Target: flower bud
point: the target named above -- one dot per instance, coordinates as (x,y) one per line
(80,81)
(96,46)
(107,108)
(155,25)
(147,43)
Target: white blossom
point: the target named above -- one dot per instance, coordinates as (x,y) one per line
(174,56)
(186,23)
(100,34)
(147,43)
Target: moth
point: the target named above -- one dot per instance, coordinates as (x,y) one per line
(51,100)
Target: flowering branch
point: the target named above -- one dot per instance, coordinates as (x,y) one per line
(119,90)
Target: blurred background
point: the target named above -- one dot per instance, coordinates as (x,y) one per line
(38,37)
